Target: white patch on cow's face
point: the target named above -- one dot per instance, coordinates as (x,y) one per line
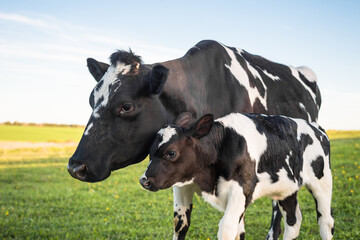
(244,126)
(88,129)
(295,73)
(166,134)
(242,77)
(109,78)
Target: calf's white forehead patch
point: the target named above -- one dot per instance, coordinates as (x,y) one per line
(110,77)
(166,134)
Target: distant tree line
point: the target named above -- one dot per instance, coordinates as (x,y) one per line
(41,124)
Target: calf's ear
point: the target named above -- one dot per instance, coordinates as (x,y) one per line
(154,81)
(97,69)
(203,126)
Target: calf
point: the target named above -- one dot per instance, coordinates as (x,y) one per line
(242,157)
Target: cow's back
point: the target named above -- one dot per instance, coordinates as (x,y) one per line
(214,78)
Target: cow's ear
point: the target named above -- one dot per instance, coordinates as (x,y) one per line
(203,126)
(97,69)
(184,119)
(154,81)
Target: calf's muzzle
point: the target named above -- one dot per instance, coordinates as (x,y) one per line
(145,183)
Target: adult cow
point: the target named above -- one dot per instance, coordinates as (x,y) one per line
(132,101)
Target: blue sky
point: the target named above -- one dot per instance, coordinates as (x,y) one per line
(44,46)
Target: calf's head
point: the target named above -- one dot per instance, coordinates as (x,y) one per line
(178,155)
(126,116)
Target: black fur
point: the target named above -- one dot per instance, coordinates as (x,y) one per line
(124,57)
(318,167)
(289,206)
(275,221)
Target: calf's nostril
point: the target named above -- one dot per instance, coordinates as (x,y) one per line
(145,183)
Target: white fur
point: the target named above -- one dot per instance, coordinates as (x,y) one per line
(244,126)
(291,232)
(279,190)
(310,154)
(303,108)
(308,73)
(241,226)
(256,74)
(321,190)
(166,134)
(109,78)
(287,161)
(295,73)
(275,78)
(181,184)
(242,77)
(144,175)
(88,129)
(231,200)
(182,200)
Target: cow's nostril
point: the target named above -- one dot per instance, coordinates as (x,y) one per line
(77,171)
(80,172)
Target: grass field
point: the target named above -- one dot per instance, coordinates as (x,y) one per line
(40,134)
(39,199)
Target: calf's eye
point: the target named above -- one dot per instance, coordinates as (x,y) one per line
(171,154)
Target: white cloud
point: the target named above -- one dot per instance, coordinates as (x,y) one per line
(68,42)
(24,20)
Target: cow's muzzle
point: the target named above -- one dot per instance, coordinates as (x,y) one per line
(77,171)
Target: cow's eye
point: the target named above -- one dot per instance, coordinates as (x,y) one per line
(170,154)
(125,108)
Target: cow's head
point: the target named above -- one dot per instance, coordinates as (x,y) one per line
(126,116)
(178,155)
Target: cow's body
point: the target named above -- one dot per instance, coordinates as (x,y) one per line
(243,158)
(132,101)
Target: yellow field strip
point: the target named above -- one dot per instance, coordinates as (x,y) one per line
(7,145)
(33,165)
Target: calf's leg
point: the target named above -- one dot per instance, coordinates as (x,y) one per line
(275,227)
(290,209)
(322,197)
(235,208)
(183,197)
(241,229)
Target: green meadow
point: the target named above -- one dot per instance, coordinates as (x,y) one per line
(40,134)
(39,199)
